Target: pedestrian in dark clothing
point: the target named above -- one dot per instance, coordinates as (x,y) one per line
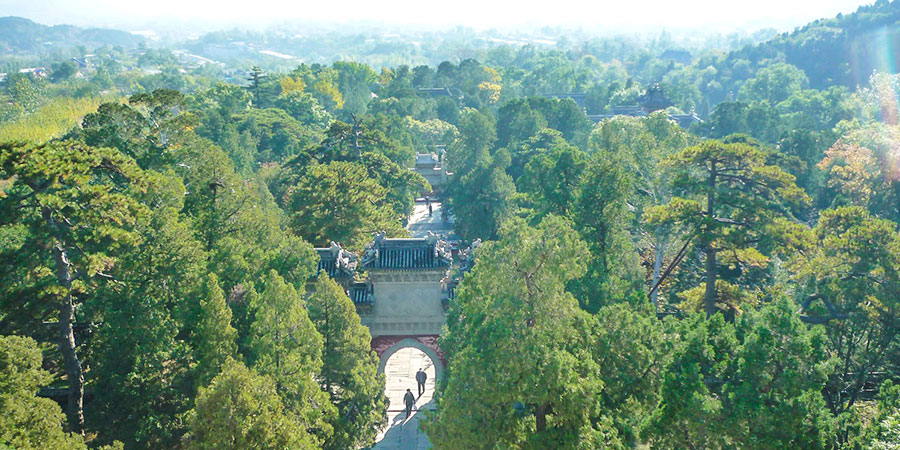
(410,400)
(421,376)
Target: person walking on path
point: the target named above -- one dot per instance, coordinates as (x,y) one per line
(421,376)
(410,400)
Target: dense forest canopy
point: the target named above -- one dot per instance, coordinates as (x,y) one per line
(675,246)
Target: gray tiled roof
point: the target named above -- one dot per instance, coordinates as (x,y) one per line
(407,254)
(336,262)
(436,92)
(578,98)
(360,293)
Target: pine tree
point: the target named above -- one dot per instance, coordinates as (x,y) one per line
(78,206)
(737,205)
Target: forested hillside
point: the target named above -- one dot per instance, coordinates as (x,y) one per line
(673,250)
(20,36)
(842,50)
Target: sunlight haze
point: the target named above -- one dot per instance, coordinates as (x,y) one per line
(618,16)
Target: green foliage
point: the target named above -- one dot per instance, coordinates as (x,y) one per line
(51,120)
(482,198)
(77,204)
(215,339)
(349,367)
(634,151)
(848,279)
(734,202)
(285,346)
(29,422)
(304,108)
(353,81)
(338,202)
(756,384)
(164,239)
(242,410)
(140,352)
(149,128)
(552,177)
(520,119)
(277,135)
(600,212)
(476,137)
(774,84)
(631,349)
(516,377)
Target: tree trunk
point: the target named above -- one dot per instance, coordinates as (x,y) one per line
(540,415)
(67,341)
(659,252)
(709,300)
(74,374)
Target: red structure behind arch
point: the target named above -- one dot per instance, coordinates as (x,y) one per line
(381,344)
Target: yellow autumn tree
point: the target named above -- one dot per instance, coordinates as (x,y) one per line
(492,85)
(291,84)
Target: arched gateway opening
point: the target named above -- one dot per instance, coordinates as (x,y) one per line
(387,346)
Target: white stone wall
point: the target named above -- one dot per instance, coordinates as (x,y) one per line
(406,303)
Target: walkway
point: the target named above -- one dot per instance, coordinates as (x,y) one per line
(420,223)
(400,373)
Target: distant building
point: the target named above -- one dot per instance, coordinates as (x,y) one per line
(435,92)
(677,55)
(634,111)
(653,100)
(686,120)
(579,99)
(430,167)
(37,72)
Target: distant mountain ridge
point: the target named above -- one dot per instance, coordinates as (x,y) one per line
(842,50)
(19,35)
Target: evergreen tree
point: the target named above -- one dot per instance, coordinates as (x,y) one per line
(339,201)
(756,384)
(517,376)
(735,203)
(29,422)
(78,207)
(350,368)
(601,215)
(631,349)
(141,357)
(848,279)
(285,346)
(481,199)
(215,340)
(242,410)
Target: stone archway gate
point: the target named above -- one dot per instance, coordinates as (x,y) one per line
(407,295)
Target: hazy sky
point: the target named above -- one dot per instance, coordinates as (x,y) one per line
(672,14)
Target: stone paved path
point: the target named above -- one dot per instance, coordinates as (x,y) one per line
(400,372)
(420,223)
